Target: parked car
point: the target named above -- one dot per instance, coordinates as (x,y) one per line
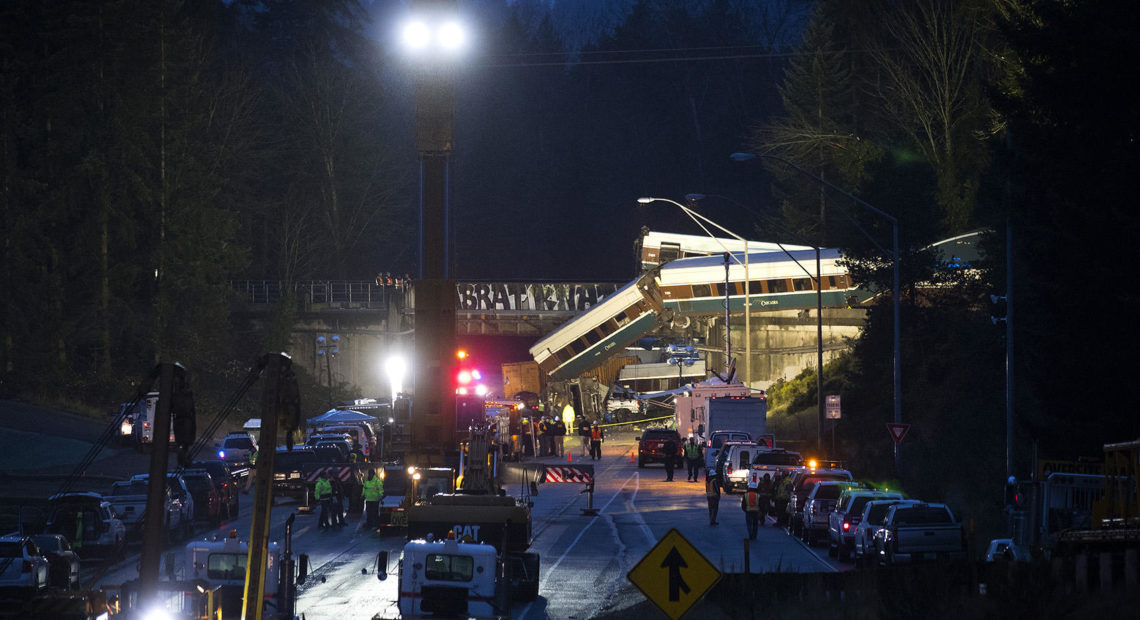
(919,531)
(845,518)
(1005,550)
(863,543)
(362,434)
(207,498)
(182,497)
(63,563)
(129,498)
(89,522)
(317,438)
(237,448)
(818,506)
(774,461)
(802,484)
(229,481)
(651,443)
(289,472)
(23,568)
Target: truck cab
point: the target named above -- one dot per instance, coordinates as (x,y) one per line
(449,578)
(222,562)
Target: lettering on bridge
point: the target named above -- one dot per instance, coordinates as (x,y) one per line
(522,297)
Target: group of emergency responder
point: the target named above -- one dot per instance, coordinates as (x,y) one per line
(330,494)
(755,502)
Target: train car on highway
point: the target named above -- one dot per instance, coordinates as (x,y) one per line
(603,330)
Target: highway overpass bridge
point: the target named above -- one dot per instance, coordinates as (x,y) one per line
(575,326)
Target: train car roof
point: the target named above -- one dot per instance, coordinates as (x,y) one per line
(754,258)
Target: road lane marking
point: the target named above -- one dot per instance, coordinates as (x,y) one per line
(582,532)
(637,514)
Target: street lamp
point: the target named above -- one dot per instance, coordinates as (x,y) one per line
(698,218)
(895,285)
(681,357)
(818,317)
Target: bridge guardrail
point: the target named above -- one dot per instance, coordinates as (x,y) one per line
(343,293)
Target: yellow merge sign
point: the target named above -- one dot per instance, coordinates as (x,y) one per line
(674,575)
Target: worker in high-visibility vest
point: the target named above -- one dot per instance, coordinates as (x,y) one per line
(750,504)
(597,436)
(323,493)
(372,491)
(712,493)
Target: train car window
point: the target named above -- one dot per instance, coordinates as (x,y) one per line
(592,337)
(777,286)
(670,251)
(621,319)
(802,284)
(755,287)
(702,290)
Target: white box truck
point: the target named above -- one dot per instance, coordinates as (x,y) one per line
(692,406)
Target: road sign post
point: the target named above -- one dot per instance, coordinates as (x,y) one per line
(674,575)
(834,410)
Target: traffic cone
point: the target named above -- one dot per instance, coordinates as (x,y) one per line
(569,457)
(630,457)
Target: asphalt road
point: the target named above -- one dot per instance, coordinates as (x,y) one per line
(585,559)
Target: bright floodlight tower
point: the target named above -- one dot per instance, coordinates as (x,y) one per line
(433,41)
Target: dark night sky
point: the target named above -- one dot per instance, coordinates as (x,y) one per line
(553,150)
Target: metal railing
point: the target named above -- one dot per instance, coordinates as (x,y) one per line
(341,293)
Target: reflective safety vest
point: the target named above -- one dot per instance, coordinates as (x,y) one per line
(692,451)
(752,501)
(595,434)
(373,489)
(712,489)
(323,489)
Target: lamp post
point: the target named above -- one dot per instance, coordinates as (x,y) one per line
(897,366)
(328,348)
(681,357)
(698,218)
(818,278)
(433,41)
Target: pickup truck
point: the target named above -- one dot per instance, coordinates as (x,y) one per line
(128,500)
(915,532)
(651,443)
(844,520)
(803,481)
(89,523)
(818,506)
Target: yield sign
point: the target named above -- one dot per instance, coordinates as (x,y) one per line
(674,575)
(898,431)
